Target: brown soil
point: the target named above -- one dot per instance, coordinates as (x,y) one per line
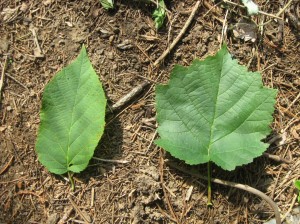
(146,189)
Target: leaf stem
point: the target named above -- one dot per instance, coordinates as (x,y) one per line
(70,174)
(209,203)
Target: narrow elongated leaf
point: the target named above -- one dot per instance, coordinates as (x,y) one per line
(214,110)
(72,117)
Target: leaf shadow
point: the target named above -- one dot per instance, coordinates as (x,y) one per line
(109,148)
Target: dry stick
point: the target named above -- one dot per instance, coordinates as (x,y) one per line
(14,79)
(224,27)
(38,54)
(81,214)
(277,158)
(275,184)
(125,99)
(65,216)
(111,160)
(6,165)
(236,185)
(151,141)
(280,12)
(31,193)
(212,9)
(3,75)
(92,197)
(290,208)
(284,8)
(161,170)
(294,101)
(175,41)
(261,12)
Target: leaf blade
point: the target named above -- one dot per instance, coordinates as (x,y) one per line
(200,117)
(159,14)
(72,117)
(107,4)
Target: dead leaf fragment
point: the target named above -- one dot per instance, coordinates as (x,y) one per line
(4,44)
(246,30)
(78,34)
(23,7)
(125,45)
(189,193)
(47,2)
(295,132)
(69,24)
(9,14)
(52,219)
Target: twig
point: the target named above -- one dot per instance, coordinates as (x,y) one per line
(65,216)
(111,160)
(151,141)
(224,29)
(38,52)
(85,217)
(92,197)
(290,208)
(6,165)
(161,174)
(260,12)
(129,96)
(165,214)
(280,12)
(294,101)
(213,10)
(284,8)
(3,75)
(13,78)
(31,193)
(293,18)
(276,158)
(236,185)
(176,40)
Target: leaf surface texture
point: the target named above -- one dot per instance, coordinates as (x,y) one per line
(72,117)
(214,110)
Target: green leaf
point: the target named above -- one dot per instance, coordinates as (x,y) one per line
(159,14)
(107,4)
(72,117)
(297,185)
(214,110)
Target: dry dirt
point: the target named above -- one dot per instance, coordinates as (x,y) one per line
(146,189)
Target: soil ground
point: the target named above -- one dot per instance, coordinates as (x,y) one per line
(146,189)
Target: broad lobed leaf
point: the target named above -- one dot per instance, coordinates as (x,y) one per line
(214,110)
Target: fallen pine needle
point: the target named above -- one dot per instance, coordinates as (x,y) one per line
(3,75)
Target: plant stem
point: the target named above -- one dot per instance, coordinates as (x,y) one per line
(70,174)
(209,203)
(232,184)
